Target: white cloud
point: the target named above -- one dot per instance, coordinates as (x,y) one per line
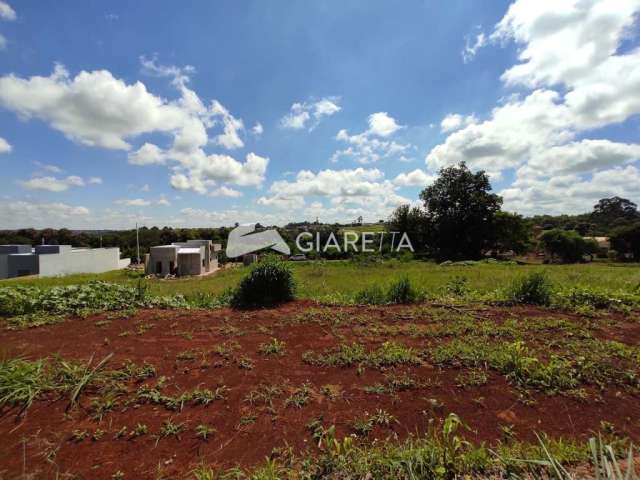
(3,42)
(204,171)
(97,109)
(345,190)
(48,167)
(224,191)
(303,113)
(371,146)
(6,12)
(145,188)
(5,147)
(257,129)
(382,125)
(455,121)
(471,47)
(230,138)
(134,202)
(415,178)
(163,202)
(534,194)
(54,184)
(23,214)
(580,79)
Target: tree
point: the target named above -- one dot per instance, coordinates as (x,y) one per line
(626,241)
(411,221)
(566,245)
(460,212)
(611,213)
(511,232)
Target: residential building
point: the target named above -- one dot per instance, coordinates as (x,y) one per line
(57,260)
(193,257)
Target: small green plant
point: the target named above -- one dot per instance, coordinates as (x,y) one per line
(373,295)
(402,291)
(269,283)
(300,397)
(533,289)
(139,430)
(273,347)
(204,431)
(169,428)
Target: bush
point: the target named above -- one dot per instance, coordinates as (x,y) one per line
(566,245)
(401,291)
(533,289)
(269,283)
(373,295)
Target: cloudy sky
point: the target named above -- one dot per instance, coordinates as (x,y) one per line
(209,113)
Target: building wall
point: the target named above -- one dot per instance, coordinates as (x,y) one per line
(68,261)
(165,255)
(4,271)
(21,264)
(191,263)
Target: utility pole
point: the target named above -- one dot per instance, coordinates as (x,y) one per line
(137,244)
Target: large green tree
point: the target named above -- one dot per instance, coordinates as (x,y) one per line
(460,213)
(626,241)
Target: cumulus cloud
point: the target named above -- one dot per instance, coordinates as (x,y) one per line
(5,147)
(455,121)
(372,145)
(134,202)
(97,109)
(257,129)
(309,114)
(54,184)
(579,80)
(225,191)
(343,189)
(23,214)
(415,178)
(6,12)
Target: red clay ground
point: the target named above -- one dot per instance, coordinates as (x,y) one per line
(40,444)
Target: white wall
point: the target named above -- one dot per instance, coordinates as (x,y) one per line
(94,260)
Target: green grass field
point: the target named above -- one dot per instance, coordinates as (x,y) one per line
(319,279)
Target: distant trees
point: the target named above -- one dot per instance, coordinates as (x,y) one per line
(413,221)
(511,232)
(626,241)
(460,213)
(566,246)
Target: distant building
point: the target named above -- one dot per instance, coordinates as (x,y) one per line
(57,260)
(193,257)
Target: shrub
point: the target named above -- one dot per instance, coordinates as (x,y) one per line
(533,289)
(566,245)
(402,291)
(269,283)
(373,295)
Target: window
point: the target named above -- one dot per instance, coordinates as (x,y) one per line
(158,268)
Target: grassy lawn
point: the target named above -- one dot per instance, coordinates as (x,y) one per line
(317,279)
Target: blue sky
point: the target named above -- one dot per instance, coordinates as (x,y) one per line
(221,112)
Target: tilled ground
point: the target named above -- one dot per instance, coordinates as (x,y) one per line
(221,349)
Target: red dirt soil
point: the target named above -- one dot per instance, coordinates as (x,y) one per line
(40,445)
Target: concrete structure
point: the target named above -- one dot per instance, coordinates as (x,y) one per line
(57,260)
(193,257)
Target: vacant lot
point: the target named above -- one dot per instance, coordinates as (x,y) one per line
(159,393)
(319,280)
